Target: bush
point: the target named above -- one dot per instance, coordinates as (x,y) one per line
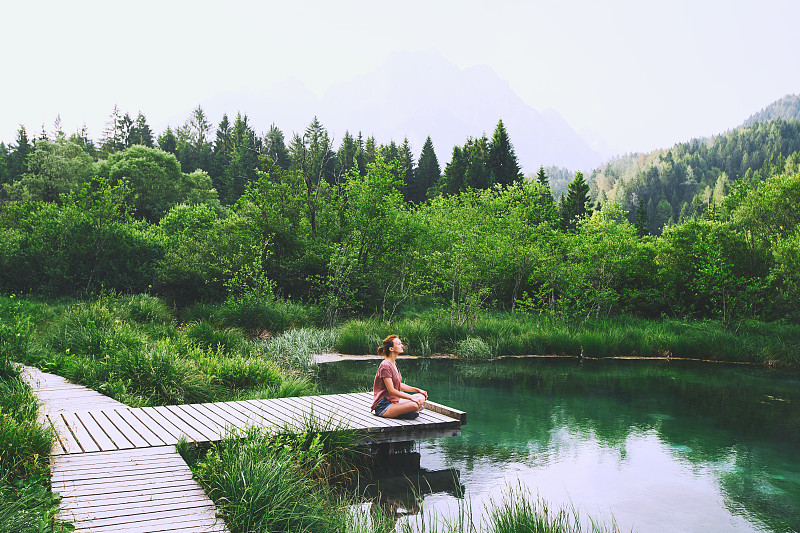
(473,348)
(227,340)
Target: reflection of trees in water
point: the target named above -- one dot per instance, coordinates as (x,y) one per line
(745,418)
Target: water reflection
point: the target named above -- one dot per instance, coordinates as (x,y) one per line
(665,446)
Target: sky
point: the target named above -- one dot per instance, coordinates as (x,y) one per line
(628,75)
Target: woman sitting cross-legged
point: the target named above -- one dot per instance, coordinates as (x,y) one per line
(391,398)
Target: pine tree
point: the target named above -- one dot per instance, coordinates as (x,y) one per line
(346,157)
(18,158)
(428,172)
(141,134)
(453,178)
(407,168)
(477,175)
(113,136)
(167,141)
(640,222)
(576,203)
(221,156)
(275,147)
(502,162)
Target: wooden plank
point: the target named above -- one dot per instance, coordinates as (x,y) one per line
(367,419)
(81,434)
(116,456)
(140,508)
(168,516)
(245,418)
(179,487)
(136,439)
(198,423)
(205,525)
(98,435)
(255,415)
(101,472)
(284,414)
(274,415)
(230,418)
(143,499)
(151,437)
(163,480)
(108,427)
(214,415)
(187,431)
(359,404)
(461,416)
(66,440)
(165,430)
(328,416)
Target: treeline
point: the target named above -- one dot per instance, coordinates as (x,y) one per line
(366,231)
(671,186)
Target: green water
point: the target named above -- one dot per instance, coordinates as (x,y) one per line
(657,445)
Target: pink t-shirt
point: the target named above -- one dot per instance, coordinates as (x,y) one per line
(385,370)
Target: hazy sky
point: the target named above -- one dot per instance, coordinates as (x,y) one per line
(637,74)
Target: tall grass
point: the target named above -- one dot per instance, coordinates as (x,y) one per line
(26,503)
(277,482)
(295,349)
(519,334)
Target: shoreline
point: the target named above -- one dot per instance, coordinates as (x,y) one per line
(337,357)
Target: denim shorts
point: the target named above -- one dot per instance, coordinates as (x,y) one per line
(382,406)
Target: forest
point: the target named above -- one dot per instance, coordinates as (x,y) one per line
(705,230)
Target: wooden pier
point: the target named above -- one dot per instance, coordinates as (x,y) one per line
(117,469)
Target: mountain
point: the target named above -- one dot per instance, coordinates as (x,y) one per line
(787,108)
(415,95)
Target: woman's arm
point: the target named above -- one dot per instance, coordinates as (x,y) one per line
(409,388)
(403,386)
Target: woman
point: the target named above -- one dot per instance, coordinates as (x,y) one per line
(391,395)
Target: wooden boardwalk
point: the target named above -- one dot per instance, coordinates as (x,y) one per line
(116,467)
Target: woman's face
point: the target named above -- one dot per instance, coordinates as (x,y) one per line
(397,346)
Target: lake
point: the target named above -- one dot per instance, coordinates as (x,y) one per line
(657,445)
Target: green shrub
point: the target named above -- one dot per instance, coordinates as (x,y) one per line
(144,309)
(239,372)
(295,349)
(473,348)
(226,340)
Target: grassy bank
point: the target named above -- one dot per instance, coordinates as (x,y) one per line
(138,351)
(26,503)
(498,334)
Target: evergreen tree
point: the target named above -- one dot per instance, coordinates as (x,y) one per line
(477,174)
(546,200)
(428,173)
(18,158)
(141,134)
(370,151)
(576,203)
(502,162)
(221,156)
(640,222)
(347,157)
(275,147)
(4,156)
(453,178)
(82,139)
(167,142)
(114,138)
(243,164)
(194,145)
(407,168)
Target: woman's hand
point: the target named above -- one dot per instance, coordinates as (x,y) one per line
(424,393)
